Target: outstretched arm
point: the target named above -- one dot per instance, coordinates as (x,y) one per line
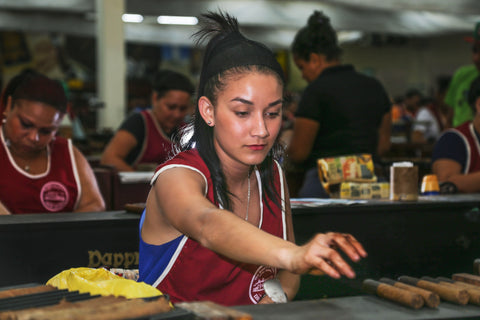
(177,206)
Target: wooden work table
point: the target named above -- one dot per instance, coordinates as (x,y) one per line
(430,237)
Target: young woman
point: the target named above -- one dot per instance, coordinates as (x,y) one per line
(40,172)
(217,222)
(145,137)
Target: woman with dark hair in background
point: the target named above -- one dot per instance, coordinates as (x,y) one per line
(144,138)
(41,172)
(341,111)
(217,222)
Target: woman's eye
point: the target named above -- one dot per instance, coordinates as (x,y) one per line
(241,113)
(45,132)
(25,124)
(273,114)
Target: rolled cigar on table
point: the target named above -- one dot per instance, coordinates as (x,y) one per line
(27,290)
(430,298)
(473,294)
(466,277)
(404,297)
(124,309)
(446,293)
(38,312)
(472,290)
(460,283)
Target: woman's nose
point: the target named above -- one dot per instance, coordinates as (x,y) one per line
(33,135)
(260,127)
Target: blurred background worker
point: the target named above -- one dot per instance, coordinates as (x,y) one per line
(456,157)
(425,127)
(341,111)
(41,172)
(145,136)
(456,97)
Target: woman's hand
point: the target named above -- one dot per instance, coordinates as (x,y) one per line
(320,254)
(265,300)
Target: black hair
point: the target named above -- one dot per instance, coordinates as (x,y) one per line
(319,37)
(166,80)
(40,88)
(413,93)
(12,86)
(222,30)
(474,93)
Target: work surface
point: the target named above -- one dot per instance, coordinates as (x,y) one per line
(356,308)
(430,237)
(434,236)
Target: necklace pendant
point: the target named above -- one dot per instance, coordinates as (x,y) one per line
(27,168)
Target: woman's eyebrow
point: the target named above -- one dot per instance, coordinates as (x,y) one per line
(245,101)
(29,122)
(279,101)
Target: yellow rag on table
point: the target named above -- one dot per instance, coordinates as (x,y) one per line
(103,282)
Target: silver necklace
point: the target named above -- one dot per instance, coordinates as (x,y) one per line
(248,196)
(26,168)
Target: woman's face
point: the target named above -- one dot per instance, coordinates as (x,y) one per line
(310,69)
(31,125)
(171,109)
(248,118)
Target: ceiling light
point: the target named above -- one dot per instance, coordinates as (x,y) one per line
(349,36)
(191,21)
(133,18)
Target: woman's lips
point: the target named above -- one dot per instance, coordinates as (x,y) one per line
(256,147)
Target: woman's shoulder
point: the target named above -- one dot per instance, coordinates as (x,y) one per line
(189,159)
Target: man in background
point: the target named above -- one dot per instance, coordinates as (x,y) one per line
(456,97)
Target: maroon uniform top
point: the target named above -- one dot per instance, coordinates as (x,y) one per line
(467,132)
(156,146)
(193,272)
(56,190)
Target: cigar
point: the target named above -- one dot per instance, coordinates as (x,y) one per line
(445,292)
(473,295)
(460,283)
(404,297)
(466,277)
(473,291)
(23,291)
(431,299)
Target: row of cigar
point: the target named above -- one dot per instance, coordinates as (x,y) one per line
(461,289)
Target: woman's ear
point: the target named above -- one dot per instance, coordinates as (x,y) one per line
(8,108)
(206,110)
(153,98)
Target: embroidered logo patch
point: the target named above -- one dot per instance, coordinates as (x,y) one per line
(262,274)
(54,196)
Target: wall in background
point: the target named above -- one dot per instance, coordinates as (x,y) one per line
(415,63)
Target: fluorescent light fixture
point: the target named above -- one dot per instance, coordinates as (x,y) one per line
(183,20)
(133,18)
(349,36)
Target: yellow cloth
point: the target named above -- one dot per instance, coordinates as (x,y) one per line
(103,282)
